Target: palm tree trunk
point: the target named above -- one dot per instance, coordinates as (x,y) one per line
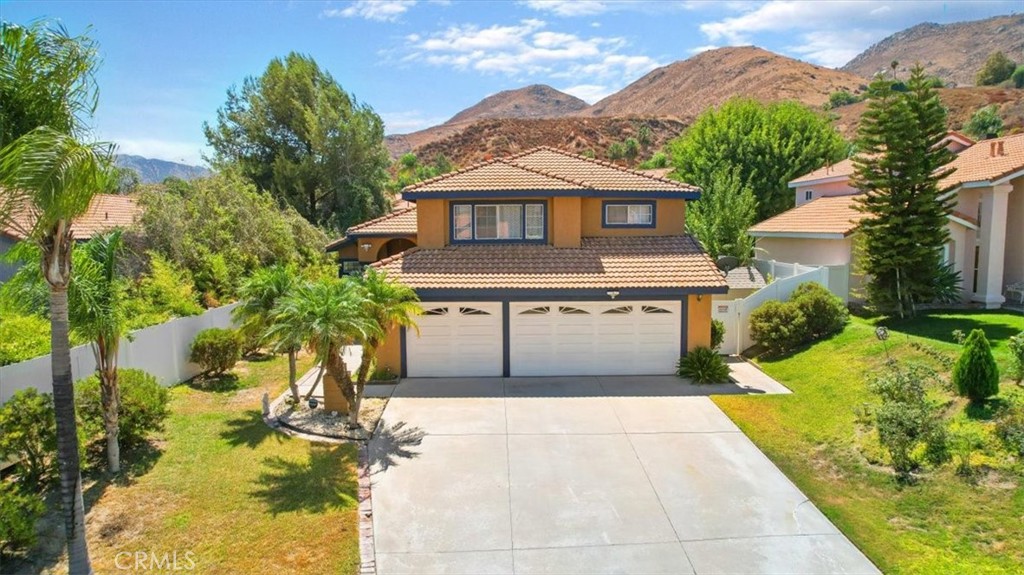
(67,434)
(292,376)
(110,399)
(365,363)
(335,364)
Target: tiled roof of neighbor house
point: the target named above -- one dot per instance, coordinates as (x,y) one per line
(825,215)
(840,168)
(601,263)
(105,212)
(745,277)
(982,162)
(657,172)
(548,169)
(400,222)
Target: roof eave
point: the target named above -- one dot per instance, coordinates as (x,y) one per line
(584,193)
(802,235)
(830,179)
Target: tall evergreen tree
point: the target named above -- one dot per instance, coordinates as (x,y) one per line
(900,161)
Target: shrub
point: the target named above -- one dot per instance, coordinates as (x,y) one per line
(975,374)
(1009,426)
(823,311)
(216,350)
(169,288)
(143,406)
(964,442)
(703,365)
(1016,345)
(1018,77)
(29,435)
(997,69)
(909,426)
(19,511)
(717,334)
(984,123)
(778,326)
(841,98)
(23,337)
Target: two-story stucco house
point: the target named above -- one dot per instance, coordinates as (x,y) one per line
(542,263)
(986,228)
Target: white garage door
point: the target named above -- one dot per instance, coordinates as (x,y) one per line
(456,339)
(599,338)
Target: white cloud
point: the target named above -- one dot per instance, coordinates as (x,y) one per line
(589,93)
(568,7)
(171,151)
(573,8)
(408,121)
(703,48)
(527,49)
(379,10)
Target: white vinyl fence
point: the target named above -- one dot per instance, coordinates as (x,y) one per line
(735,314)
(161,350)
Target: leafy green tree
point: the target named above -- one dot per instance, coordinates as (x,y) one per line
(296,133)
(984,123)
(900,163)
(47,94)
(997,69)
(975,373)
(255,314)
(658,160)
(721,217)
(128,180)
(1018,77)
(408,170)
(386,305)
(769,145)
(326,315)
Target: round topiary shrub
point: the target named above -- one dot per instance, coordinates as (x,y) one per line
(703,365)
(216,350)
(824,312)
(975,374)
(778,326)
(143,406)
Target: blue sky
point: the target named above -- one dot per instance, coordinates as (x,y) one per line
(167,65)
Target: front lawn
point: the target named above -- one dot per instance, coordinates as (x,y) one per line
(942,524)
(239,496)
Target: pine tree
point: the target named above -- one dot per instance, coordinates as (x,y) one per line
(900,162)
(976,374)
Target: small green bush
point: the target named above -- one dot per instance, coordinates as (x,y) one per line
(841,98)
(996,70)
(703,365)
(168,288)
(29,435)
(1009,426)
(976,375)
(19,511)
(216,350)
(23,337)
(143,406)
(1018,77)
(778,326)
(1016,345)
(717,334)
(824,312)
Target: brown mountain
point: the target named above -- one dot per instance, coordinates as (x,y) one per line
(536,101)
(953,52)
(498,137)
(686,88)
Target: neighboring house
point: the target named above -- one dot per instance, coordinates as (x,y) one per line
(544,263)
(986,227)
(742,281)
(106,212)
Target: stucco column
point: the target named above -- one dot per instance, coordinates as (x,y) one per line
(994,203)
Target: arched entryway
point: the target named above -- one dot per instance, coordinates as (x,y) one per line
(395,247)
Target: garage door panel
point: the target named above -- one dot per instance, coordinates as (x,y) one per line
(457,341)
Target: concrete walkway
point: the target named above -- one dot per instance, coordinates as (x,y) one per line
(585,475)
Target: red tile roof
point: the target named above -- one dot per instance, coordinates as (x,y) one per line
(105,212)
(843,168)
(401,222)
(982,162)
(548,169)
(825,215)
(601,263)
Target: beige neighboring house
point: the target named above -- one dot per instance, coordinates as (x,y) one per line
(105,212)
(986,227)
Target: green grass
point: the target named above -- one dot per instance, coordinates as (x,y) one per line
(238,495)
(942,524)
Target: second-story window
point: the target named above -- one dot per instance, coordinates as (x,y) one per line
(631,215)
(498,222)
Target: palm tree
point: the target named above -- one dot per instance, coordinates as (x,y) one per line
(96,298)
(255,314)
(47,179)
(387,305)
(325,315)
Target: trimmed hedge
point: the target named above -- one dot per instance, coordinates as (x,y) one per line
(812,313)
(216,350)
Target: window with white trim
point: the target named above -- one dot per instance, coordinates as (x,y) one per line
(808,195)
(629,214)
(498,222)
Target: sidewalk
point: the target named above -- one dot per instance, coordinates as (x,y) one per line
(748,375)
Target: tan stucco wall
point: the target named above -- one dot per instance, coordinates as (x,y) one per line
(431,223)
(389,355)
(670,219)
(1013,270)
(698,327)
(824,190)
(565,222)
(348,252)
(808,251)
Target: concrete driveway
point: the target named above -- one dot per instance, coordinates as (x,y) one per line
(585,475)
